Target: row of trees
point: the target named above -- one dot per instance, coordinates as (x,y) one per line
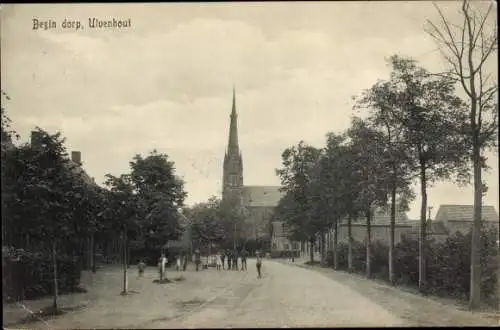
(414,128)
(51,205)
(218,221)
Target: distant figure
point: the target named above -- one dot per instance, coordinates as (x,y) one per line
(229,260)
(178,263)
(218,262)
(259,264)
(141,266)
(197,259)
(162,263)
(235,260)
(244,255)
(223,258)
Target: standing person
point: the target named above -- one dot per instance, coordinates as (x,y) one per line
(184,258)
(141,266)
(240,261)
(218,261)
(178,263)
(235,260)
(223,258)
(244,255)
(197,259)
(259,264)
(229,259)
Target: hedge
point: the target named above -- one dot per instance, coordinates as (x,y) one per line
(448,263)
(29,275)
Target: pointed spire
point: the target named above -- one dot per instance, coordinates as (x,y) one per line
(233,129)
(233,110)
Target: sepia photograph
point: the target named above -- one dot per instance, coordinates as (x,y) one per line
(250,164)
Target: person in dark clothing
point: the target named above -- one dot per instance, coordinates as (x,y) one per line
(244,255)
(223,258)
(259,265)
(235,260)
(197,259)
(229,260)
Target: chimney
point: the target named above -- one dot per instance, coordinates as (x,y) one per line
(36,139)
(76,157)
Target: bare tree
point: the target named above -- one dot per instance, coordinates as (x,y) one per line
(468,47)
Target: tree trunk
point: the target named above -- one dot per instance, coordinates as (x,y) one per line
(368,244)
(423,229)
(335,245)
(311,250)
(124,256)
(92,253)
(54,267)
(322,246)
(349,243)
(475,266)
(392,229)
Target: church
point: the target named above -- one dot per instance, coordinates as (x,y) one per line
(259,201)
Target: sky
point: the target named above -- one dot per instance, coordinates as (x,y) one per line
(166,81)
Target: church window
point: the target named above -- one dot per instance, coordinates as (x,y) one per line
(286,246)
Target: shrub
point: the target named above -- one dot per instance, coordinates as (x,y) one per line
(358,256)
(448,263)
(30,275)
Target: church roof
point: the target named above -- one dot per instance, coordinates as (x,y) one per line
(464,213)
(264,196)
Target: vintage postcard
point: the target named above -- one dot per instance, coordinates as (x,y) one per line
(250,164)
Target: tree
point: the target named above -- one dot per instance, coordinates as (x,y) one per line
(468,48)
(332,203)
(44,194)
(207,226)
(426,110)
(7,133)
(297,174)
(369,174)
(161,193)
(385,112)
(123,206)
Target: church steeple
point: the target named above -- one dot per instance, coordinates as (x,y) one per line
(232,185)
(233,129)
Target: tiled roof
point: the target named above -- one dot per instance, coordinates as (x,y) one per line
(261,195)
(382,217)
(464,213)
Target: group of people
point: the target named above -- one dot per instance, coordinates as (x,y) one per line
(234,259)
(237,261)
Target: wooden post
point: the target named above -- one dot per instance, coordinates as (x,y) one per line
(124,262)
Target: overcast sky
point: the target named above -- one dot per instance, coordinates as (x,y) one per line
(166,82)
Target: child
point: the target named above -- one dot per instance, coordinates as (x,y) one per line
(141,266)
(222,258)
(239,262)
(178,263)
(218,261)
(259,264)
